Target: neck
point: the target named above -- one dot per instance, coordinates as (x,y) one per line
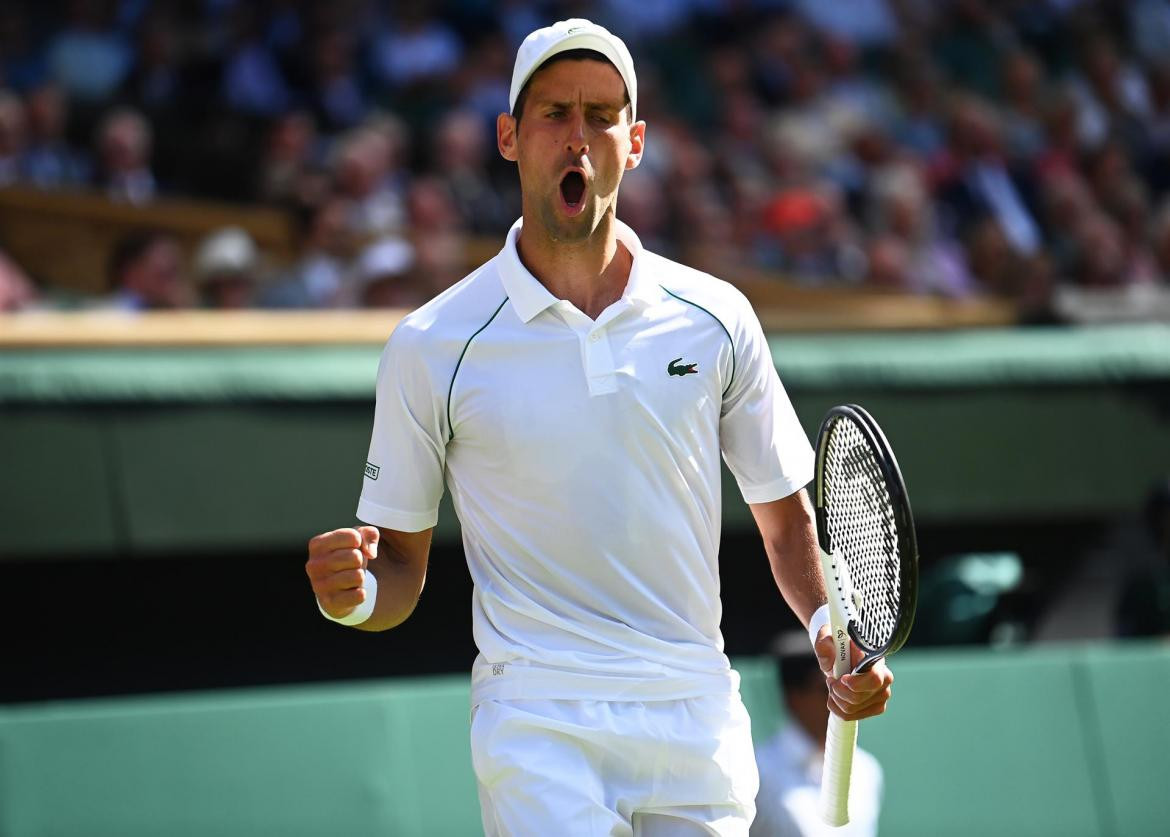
(591,274)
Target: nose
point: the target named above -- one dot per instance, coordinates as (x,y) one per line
(576,142)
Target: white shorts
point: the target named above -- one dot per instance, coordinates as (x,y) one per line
(587,768)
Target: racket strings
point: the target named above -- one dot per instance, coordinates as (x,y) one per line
(863,532)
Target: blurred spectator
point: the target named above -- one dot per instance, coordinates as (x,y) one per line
(1067,201)
(12,137)
(155,83)
(289,158)
(848,90)
(462,163)
(866,23)
(17,291)
(919,126)
(89,57)
(1130,208)
(902,209)
(146,272)
(780,136)
(1160,243)
(1020,81)
(887,261)
(1061,151)
(812,238)
(642,207)
(365,173)
(414,46)
(123,165)
(1149,27)
(437,234)
(315,280)
(971,45)
(337,95)
(49,162)
(646,18)
(1155,146)
(790,763)
(1111,94)
(383,277)
(227,265)
(975,181)
(253,81)
(1144,606)
(1101,262)
(485,76)
(21,65)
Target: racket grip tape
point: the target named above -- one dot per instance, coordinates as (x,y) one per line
(840,744)
(841,736)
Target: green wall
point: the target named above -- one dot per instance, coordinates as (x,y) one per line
(1052,741)
(202,449)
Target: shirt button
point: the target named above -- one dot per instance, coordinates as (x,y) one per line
(595,336)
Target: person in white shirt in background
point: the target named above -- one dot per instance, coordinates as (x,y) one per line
(788,804)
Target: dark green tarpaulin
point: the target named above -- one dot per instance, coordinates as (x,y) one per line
(158,450)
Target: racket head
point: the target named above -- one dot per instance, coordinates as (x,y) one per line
(864,520)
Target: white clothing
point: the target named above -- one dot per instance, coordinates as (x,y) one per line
(788,804)
(590,768)
(583,462)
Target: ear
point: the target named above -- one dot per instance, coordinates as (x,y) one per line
(506,136)
(637,144)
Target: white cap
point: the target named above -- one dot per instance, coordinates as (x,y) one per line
(385,257)
(229,250)
(564,35)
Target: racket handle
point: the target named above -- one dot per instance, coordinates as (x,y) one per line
(841,736)
(840,744)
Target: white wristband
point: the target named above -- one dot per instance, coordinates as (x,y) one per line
(362,612)
(819,618)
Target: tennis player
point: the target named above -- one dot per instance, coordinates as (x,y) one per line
(575,394)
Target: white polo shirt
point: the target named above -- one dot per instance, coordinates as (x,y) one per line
(583,462)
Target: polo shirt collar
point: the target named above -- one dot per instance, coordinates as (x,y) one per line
(529,297)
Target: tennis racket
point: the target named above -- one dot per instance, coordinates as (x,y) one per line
(869,557)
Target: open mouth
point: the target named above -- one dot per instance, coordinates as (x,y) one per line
(573,189)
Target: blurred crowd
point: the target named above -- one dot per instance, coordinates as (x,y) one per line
(946,147)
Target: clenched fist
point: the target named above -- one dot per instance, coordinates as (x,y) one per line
(854,696)
(336,567)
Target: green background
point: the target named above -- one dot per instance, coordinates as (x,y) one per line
(1068,740)
(188,450)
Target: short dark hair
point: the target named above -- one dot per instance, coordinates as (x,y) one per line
(796,663)
(129,249)
(567,55)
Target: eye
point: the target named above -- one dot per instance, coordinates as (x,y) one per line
(556,114)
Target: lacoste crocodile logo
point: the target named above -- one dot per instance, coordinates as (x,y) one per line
(680,369)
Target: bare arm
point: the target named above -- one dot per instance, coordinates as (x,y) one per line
(336,561)
(790,540)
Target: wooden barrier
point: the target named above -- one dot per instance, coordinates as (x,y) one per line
(64,238)
(780,309)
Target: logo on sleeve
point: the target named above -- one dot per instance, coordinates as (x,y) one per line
(372,470)
(676,367)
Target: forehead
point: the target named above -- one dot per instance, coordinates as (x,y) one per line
(593,81)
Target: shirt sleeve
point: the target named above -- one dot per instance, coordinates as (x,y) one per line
(762,440)
(403,479)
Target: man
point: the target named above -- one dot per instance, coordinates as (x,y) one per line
(146,272)
(227,269)
(791,762)
(576,392)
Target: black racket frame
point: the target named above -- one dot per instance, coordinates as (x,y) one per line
(903,516)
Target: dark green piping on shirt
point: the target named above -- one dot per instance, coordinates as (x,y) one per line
(450,389)
(721,325)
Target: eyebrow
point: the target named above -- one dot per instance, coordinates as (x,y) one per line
(569,104)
